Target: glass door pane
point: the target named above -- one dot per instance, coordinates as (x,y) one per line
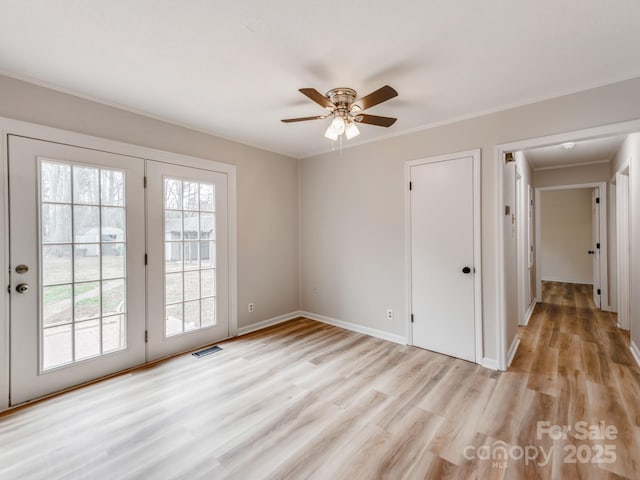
(83,251)
(189,270)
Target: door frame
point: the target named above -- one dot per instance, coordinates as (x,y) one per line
(622,128)
(10,126)
(521,271)
(623,241)
(477,243)
(604,246)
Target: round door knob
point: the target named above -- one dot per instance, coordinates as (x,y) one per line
(22,288)
(466,270)
(591,252)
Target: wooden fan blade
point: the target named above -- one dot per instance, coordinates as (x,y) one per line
(381,95)
(317,97)
(303,119)
(374,120)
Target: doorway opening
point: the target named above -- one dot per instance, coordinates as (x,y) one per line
(566,226)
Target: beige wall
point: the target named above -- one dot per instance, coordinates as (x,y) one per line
(595,173)
(566,235)
(353,213)
(553,177)
(351,203)
(267,186)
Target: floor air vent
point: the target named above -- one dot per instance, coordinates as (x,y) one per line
(206,351)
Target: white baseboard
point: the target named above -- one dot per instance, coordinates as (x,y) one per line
(512,350)
(268,322)
(354,327)
(635,351)
(490,363)
(566,280)
(527,316)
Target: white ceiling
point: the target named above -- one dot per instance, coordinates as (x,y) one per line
(585,152)
(232,68)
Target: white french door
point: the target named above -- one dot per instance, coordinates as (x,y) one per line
(77,244)
(188,268)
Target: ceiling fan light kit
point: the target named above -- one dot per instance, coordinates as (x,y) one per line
(345,110)
(351,131)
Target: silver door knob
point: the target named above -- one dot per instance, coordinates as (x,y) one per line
(22,288)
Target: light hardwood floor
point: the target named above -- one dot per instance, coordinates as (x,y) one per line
(308,400)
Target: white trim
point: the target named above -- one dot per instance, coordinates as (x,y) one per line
(354,327)
(269,322)
(10,126)
(512,350)
(572,165)
(232,250)
(635,351)
(604,246)
(593,133)
(573,186)
(56,135)
(490,363)
(4,261)
(536,247)
(477,243)
(501,298)
(407,254)
(499,151)
(522,263)
(300,272)
(623,247)
(529,313)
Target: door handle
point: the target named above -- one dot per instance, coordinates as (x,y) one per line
(22,269)
(591,252)
(466,270)
(22,288)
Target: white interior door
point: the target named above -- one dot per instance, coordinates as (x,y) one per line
(442,256)
(622,237)
(521,241)
(188,264)
(531,243)
(77,309)
(595,202)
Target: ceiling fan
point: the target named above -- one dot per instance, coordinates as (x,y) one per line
(346,110)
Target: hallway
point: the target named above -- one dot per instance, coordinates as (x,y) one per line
(576,365)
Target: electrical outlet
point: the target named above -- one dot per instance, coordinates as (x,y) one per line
(389,314)
(251,307)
